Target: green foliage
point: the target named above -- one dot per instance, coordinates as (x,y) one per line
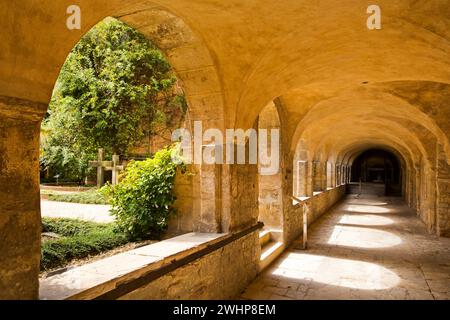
(143,200)
(113,86)
(93,196)
(80,239)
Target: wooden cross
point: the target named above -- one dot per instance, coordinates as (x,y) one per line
(99,164)
(103,166)
(115,168)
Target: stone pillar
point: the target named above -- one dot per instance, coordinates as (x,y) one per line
(432,200)
(349,174)
(210,198)
(407,187)
(317,176)
(20,218)
(288,212)
(338,175)
(443,195)
(344,174)
(242,205)
(410,186)
(207,190)
(418,187)
(309,179)
(324,176)
(302,178)
(332,175)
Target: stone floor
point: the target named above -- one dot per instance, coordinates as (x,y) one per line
(365,248)
(89,212)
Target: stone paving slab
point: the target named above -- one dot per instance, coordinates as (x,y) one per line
(366,248)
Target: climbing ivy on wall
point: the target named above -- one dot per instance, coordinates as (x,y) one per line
(114,85)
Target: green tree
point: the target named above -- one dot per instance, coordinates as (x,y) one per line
(114,85)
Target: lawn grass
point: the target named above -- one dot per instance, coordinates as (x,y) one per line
(79,239)
(92,196)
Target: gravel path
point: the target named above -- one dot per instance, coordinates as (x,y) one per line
(89,212)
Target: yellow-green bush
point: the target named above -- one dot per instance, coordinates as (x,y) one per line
(143,200)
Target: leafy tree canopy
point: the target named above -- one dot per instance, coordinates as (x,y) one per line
(114,85)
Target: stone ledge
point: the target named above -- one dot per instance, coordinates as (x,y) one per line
(95,279)
(315,195)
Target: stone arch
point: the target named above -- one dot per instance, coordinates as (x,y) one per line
(300,67)
(197,74)
(190,59)
(23,101)
(270,186)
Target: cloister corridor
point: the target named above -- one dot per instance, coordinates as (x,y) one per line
(366,247)
(289,107)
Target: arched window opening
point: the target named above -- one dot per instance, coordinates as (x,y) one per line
(114,106)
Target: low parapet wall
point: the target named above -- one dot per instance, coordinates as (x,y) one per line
(318,204)
(191,266)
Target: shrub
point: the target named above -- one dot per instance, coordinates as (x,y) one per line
(79,239)
(143,200)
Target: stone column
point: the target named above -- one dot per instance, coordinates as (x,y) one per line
(244,196)
(288,212)
(338,175)
(210,198)
(309,179)
(332,175)
(443,195)
(409,186)
(240,188)
(301,178)
(344,174)
(432,200)
(349,174)
(418,187)
(317,176)
(20,218)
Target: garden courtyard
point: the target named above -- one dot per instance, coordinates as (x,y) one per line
(77,228)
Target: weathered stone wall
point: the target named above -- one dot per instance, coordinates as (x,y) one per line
(427,200)
(20,220)
(443,196)
(183,220)
(222,274)
(270,201)
(318,205)
(244,196)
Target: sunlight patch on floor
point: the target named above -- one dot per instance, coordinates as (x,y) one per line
(365,220)
(336,271)
(361,237)
(366,208)
(371,203)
